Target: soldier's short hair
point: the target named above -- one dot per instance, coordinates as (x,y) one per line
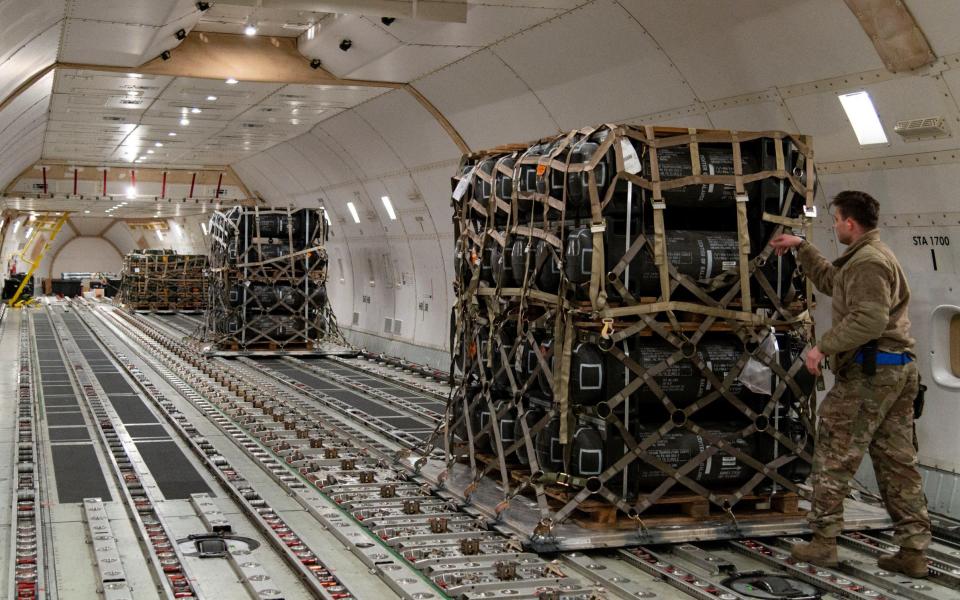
(859,206)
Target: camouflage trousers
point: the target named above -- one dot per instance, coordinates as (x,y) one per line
(874,413)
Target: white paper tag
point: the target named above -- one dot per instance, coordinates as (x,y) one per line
(464,183)
(631,162)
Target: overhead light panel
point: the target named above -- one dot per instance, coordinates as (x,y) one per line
(353,212)
(863,117)
(387,205)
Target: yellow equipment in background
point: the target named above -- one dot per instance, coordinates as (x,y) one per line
(51,224)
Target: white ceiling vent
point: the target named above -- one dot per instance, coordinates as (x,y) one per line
(918,129)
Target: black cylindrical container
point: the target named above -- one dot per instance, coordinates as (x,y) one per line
(715,159)
(679,446)
(526,363)
(588,374)
(532,417)
(582,152)
(502,181)
(548,448)
(502,265)
(548,275)
(700,255)
(508,422)
(587,454)
(683,382)
(518,259)
(482,188)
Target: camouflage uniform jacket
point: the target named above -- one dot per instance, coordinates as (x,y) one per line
(870,298)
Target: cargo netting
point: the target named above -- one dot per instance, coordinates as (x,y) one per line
(623,330)
(162,280)
(268,275)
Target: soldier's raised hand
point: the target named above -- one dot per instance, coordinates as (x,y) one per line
(784,242)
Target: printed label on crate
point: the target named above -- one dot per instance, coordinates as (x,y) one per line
(631,162)
(464,183)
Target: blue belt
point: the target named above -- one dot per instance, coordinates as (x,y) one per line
(886,358)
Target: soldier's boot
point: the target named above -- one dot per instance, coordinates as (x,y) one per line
(820,551)
(910,562)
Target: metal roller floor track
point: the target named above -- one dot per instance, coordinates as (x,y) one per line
(339,436)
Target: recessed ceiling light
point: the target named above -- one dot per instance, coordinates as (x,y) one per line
(86,212)
(172,134)
(232,81)
(149,151)
(863,117)
(389,206)
(294,121)
(195,110)
(184,122)
(159,144)
(250,30)
(211,98)
(353,212)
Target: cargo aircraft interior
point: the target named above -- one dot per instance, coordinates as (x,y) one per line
(480,299)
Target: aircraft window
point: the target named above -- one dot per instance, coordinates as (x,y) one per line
(955,345)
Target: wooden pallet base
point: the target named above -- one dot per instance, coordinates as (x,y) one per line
(685,508)
(265,346)
(673,508)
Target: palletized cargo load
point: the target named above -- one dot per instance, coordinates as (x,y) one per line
(624,334)
(268,281)
(163,280)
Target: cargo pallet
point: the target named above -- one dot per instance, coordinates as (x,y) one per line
(645,246)
(163,281)
(267,294)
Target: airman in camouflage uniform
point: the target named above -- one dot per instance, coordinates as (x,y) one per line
(861,412)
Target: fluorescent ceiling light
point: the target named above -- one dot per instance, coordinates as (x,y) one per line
(250,30)
(203,226)
(159,144)
(172,134)
(232,81)
(184,122)
(353,212)
(149,151)
(387,205)
(86,212)
(863,117)
(211,98)
(195,110)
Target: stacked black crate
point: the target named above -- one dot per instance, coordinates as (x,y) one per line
(267,287)
(163,280)
(606,343)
